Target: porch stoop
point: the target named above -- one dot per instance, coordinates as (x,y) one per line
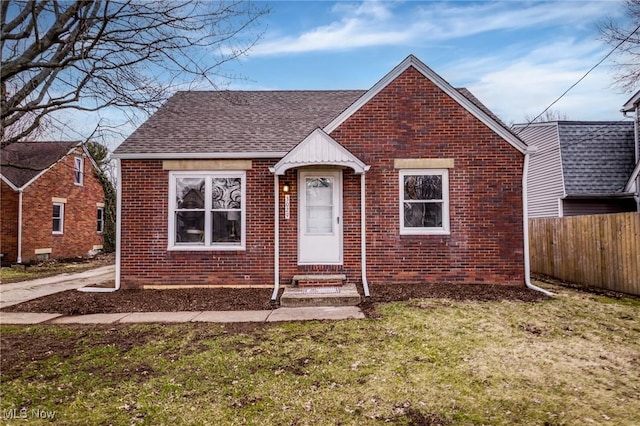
(318,280)
(346,295)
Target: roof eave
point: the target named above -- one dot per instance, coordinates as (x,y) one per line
(600,195)
(9,183)
(632,103)
(197,155)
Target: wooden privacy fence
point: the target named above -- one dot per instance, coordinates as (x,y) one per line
(600,250)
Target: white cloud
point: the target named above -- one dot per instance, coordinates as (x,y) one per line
(352,30)
(374,23)
(515,87)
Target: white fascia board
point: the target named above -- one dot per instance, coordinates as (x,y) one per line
(632,103)
(197,155)
(35,178)
(8,182)
(412,61)
(86,151)
(564,187)
(632,179)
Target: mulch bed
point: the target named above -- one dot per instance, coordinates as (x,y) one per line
(73,302)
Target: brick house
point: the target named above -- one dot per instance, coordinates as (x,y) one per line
(52,204)
(411,181)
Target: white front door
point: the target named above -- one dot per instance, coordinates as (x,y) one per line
(320,218)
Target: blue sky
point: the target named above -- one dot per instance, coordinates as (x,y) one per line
(515,56)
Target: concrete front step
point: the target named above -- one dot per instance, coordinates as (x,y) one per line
(346,295)
(319,280)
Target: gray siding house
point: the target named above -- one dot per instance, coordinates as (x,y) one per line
(580,167)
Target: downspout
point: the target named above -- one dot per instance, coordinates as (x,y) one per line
(525,216)
(276,239)
(19,254)
(363,237)
(637,153)
(118,237)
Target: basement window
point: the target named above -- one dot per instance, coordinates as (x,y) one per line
(207,210)
(424,201)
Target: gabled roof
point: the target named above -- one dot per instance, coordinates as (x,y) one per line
(471,104)
(21,162)
(597,156)
(259,124)
(268,124)
(319,149)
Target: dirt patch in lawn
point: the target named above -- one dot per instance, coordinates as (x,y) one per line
(19,350)
(73,302)
(460,292)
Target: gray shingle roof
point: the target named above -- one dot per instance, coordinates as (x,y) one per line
(22,161)
(597,156)
(236,121)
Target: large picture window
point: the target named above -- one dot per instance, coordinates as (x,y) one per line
(207,211)
(424,201)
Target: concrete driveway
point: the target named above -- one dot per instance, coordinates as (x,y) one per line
(14,293)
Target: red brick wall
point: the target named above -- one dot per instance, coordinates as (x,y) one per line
(145,259)
(410,118)
(8,223)
(79,233)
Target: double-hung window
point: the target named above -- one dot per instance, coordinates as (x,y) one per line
(78,170)
(424,201)
(207,210)
(100,220)
(57,225)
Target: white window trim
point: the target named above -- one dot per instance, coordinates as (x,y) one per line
(78,164)
(207,246)
(61,231)
(445,228)
(100,231)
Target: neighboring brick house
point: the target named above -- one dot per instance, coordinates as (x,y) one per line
(411,181)
(52,204)
(580,167)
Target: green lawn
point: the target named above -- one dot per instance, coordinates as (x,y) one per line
(573,360)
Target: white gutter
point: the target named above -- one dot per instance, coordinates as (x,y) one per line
(19,254)
(276,239)
(118,237)
(363,237)
(197,155)
(525,216)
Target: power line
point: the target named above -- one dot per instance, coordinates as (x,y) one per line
(581,78)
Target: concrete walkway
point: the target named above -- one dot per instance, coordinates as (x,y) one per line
(276,315)
(15,293)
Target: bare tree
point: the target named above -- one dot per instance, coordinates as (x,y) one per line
(624,36)
(128,54)
(549,115)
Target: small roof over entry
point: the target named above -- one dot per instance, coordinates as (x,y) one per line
(319,149)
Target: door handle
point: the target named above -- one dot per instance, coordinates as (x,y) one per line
(338,219)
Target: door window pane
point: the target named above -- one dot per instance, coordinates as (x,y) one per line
(319,205)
